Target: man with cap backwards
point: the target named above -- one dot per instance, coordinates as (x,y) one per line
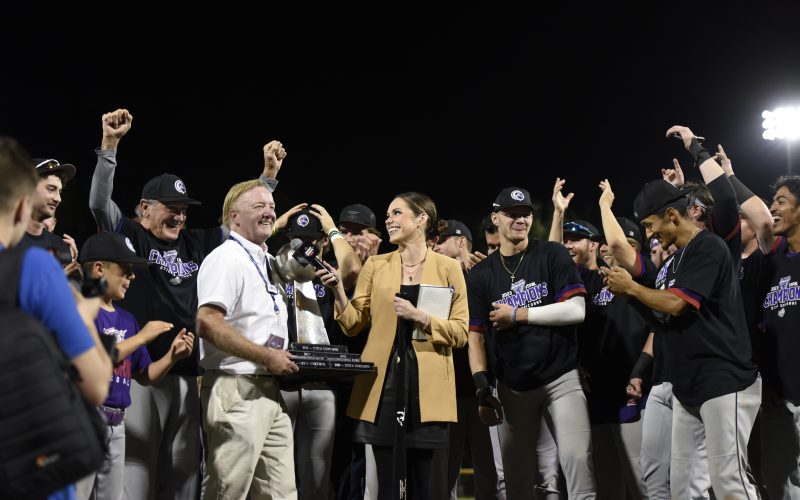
(163,426)
(528,298)
(46,199)
(697,310)
(357,226)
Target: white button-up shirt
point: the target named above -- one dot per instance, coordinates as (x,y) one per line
(229,280)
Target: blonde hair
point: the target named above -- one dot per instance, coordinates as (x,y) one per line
(234,193)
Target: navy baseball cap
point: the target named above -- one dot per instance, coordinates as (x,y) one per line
(167,188)
(581,228)
(45,167)
(655,197)
(455,228)
(357,214)
(112,247)
(304,224)
(512,197)
(630,228)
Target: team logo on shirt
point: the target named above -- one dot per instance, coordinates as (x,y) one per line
(785,293)
(603,298)
(118,334)
(662,273)
(522,295)
(173,265)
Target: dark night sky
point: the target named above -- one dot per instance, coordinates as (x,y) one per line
(456,105)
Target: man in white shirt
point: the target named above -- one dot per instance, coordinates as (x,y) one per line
(241,320)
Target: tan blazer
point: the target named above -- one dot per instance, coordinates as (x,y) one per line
(372,304)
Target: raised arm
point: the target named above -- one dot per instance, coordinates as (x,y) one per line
(349,263)
(106,213)
(560,205)
(752,206)
(618,244)
(274,153)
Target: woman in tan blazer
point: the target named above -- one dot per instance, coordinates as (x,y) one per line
(408,401)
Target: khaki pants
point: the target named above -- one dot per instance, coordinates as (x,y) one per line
(250,445)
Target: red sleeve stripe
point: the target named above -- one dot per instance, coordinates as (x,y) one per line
(568,292)
(685,296)
(736,229)
(478,326)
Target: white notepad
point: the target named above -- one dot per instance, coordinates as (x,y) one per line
(436,302)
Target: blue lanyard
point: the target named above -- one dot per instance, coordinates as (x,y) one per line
(264,279)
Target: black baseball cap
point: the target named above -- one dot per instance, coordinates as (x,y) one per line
(45,166)
(455,228)
(357,214)
(112,247)
(655,197)
(512,197)
(631,229)
(304,224)
(167,187)
(582,228)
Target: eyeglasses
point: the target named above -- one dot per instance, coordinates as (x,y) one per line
(574,227)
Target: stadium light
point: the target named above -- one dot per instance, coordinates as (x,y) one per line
(782,123)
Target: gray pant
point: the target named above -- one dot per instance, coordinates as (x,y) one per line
(108,482)
(724,423)
(616,449)
(564,401)
(780,460)
(657,446)
(313,415)
(163,440)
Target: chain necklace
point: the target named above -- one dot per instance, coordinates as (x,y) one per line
(412,273)
(514,272)
(683,251)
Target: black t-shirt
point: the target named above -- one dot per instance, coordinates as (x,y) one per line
(48,241)
(708,346)
(526,356)
(166,288)
(775,277)
(610,341)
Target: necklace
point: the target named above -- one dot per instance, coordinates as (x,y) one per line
(412,273)
(683,251)
(514,272)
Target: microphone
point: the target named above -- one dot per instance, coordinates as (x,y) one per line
(306,253)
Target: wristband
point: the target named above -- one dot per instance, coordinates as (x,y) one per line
(483,389)
(332,232)
(699,153)
(336,236)
(514,315)
(742,192)
(643,368)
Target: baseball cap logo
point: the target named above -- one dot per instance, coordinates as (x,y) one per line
(129,244)
(180,187)
(302,221)
(517,195)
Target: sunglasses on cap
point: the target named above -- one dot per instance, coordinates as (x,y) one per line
(574,227)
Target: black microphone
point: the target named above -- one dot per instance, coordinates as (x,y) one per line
(306,253)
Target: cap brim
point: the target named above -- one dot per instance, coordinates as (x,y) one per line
(304,234)
(354,222)
(65,171)
(188,201)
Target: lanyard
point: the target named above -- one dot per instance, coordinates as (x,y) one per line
(264,279)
